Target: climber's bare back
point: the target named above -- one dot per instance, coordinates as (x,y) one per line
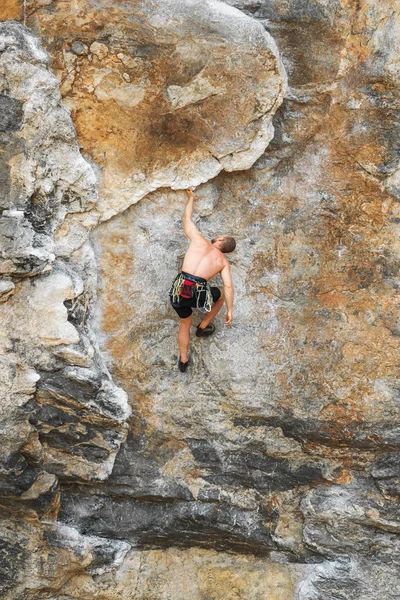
(202,259)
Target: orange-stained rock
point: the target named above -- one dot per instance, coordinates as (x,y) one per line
(164,93)
(11,9)
(271,468)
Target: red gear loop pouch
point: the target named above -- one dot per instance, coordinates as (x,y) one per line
(187,289)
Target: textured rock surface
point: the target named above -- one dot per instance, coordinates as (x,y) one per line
(272,469)
(62,415)
(163,93)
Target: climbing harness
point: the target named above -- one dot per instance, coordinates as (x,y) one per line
(186,286)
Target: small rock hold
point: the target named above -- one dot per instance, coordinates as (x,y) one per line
(99,50)
(72,357)
(128,61)
(33,449)
(79,48)
(206,199)
(43,484)
(7,288)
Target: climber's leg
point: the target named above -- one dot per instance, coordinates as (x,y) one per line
(219,298)
(183,338)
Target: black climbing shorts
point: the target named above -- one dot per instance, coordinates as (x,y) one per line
(184,310)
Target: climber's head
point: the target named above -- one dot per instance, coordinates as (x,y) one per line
(224,243)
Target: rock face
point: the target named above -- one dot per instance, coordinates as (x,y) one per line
(271,468)
(62,415)
(164,93)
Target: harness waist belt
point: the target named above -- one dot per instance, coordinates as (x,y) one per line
(193,278)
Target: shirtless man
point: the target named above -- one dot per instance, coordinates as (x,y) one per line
(191,289)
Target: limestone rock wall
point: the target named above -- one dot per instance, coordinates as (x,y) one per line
(271,469)
(62,414)
(164,93)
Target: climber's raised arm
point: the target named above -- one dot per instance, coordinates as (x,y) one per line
(190,228)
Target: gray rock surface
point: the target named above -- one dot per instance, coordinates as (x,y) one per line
(271,468)
(45,433)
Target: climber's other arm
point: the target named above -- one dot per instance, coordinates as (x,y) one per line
(229,293)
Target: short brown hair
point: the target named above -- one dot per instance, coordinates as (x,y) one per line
(228,245)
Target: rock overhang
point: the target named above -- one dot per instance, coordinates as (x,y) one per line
(173,95)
